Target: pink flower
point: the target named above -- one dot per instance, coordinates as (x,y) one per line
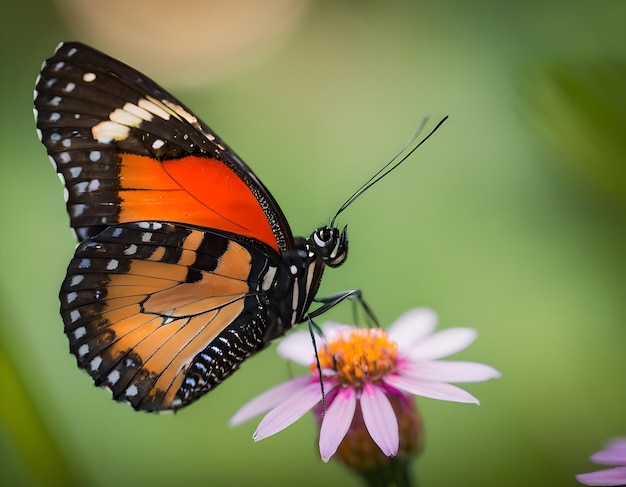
(362,368)
(613,454)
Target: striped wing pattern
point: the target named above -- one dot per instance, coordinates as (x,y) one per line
(160,313)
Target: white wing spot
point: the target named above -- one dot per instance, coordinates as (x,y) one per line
(113,377)
(176,402)
(94,185)
(71,297)
(83,350)
(78,210)
(123,117)
(58,66)
(64,157)
(130,250)
(55,117)
(77,279)
(80,188)
(180,111)
(153,108)
(69,87)
(71,52)
(67,143)
(117,232)
(157,144)
(84,264)
(89,77)
(80,332)
(146,237)
(74,315)
(55,101)
(95,155)
(106,132)
(138,111)
(149,225)
(113,264)
(131,391)
(95,363)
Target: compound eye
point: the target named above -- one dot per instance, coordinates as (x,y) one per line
(322,236)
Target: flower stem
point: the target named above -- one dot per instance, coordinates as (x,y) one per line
(394,474)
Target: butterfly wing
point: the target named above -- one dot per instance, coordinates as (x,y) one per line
(169,289)
(160,313)
(129,151)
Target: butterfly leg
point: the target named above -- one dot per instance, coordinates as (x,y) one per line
(331,301)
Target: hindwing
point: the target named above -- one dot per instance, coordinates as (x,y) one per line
(160,313)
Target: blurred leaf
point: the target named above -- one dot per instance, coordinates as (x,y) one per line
(582,110)
(32,455)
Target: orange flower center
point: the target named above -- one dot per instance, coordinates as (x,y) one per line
(358,356)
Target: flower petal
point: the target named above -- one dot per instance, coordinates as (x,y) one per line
(336,422)
(613,454)
(380,419)
(412,327)
(269,399)
(449,371)
(434,390)
(613,476)
(290,410)
(298,347)
(442,344)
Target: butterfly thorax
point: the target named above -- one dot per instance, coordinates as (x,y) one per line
(304,264)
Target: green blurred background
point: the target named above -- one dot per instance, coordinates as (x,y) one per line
(510,220)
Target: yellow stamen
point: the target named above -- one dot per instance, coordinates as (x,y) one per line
(358,355)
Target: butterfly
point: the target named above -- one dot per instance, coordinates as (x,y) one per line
(186,264)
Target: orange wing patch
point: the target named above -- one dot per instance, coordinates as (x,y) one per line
(135,319)
(194,190)
(225,284)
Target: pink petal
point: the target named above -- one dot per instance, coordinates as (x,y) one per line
(434,390)
(613,454)
(290,410)
(442,344)
(336,422)
(298,347)
(412,327)
(449,371)
(380,419)
(613,476)
(269,399)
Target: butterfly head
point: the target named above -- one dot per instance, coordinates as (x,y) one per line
(331,244)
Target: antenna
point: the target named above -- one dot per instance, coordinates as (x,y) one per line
(395,161)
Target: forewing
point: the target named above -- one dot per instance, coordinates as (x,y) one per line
(161,313)
(129,151)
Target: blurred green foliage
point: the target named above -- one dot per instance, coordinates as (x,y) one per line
(509,220)
(581,108)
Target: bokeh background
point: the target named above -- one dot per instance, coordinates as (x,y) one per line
(510,220)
